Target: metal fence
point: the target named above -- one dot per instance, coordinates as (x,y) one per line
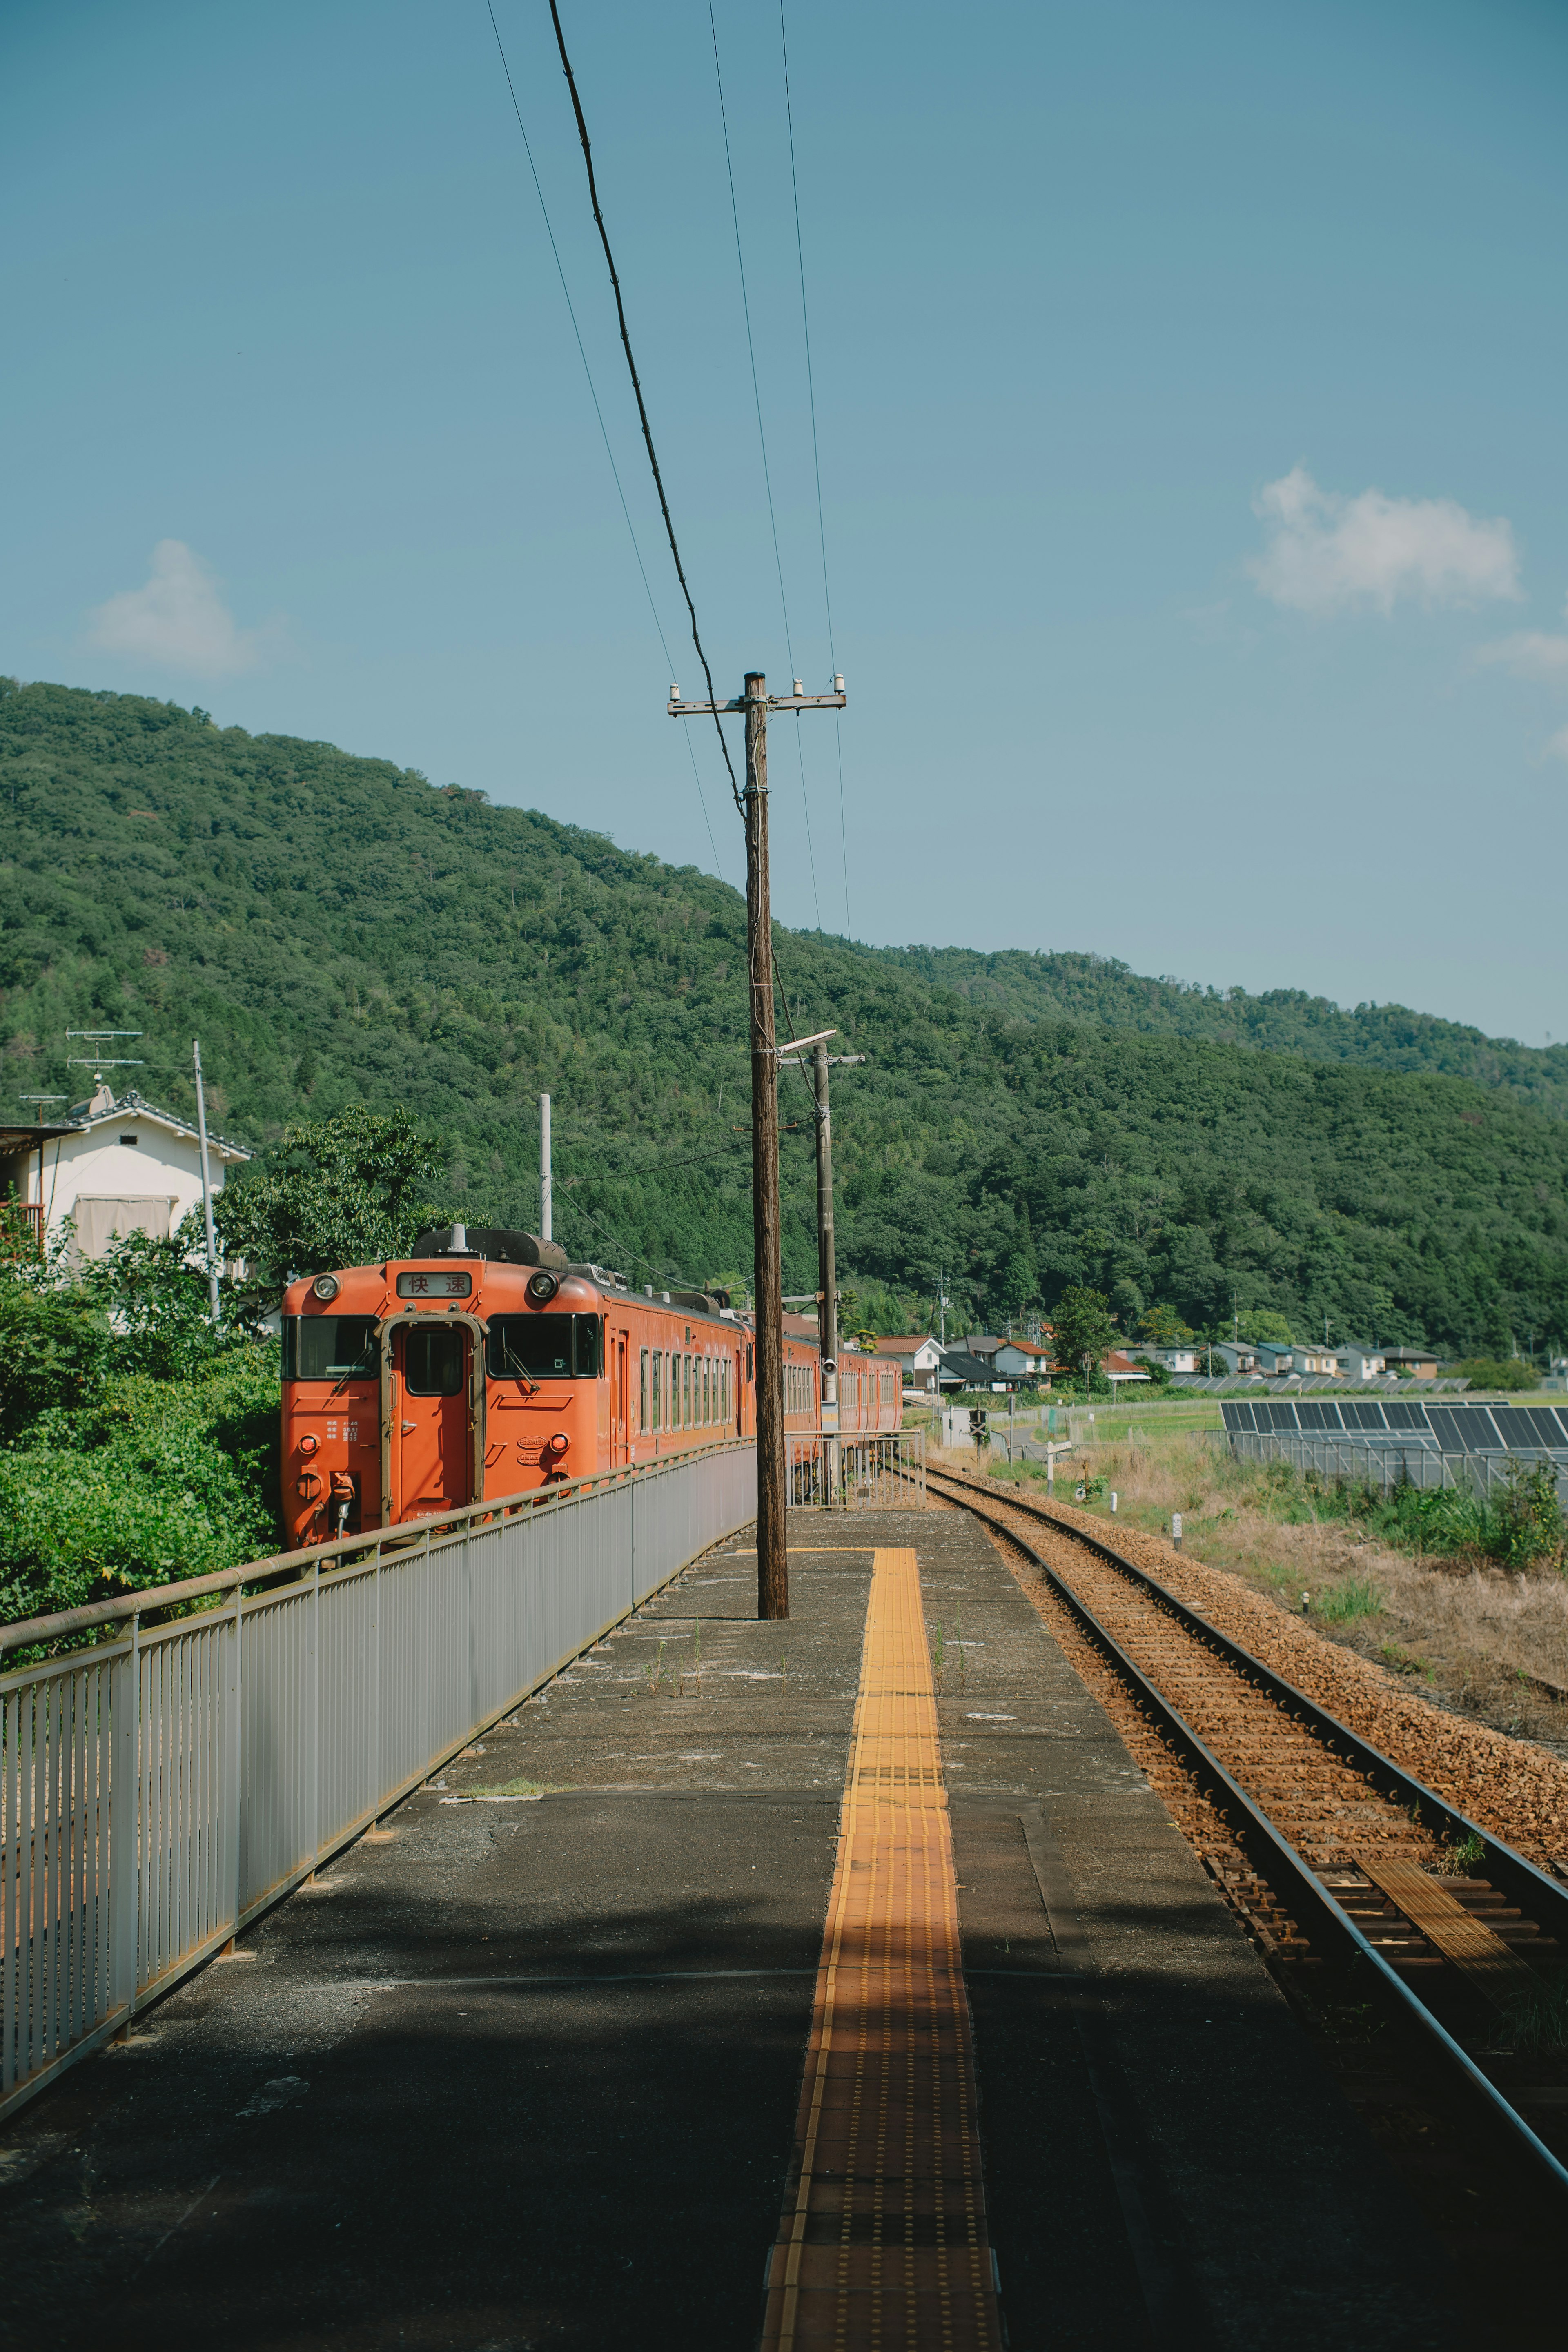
(159,1789)
(1388,1466)
(868,1474)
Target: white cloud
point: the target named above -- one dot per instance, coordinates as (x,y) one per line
(179,620)
(1533,652)
(1327,552)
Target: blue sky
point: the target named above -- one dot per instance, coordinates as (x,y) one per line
(1190,395)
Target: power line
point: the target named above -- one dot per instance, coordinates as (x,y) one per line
(815,457)
(642,407)
(762,440)
(594,396)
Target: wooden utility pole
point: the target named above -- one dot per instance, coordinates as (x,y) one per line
(827,1267)
(773,1556)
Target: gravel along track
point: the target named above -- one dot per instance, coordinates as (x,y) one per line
(1514,1791)
(1321,1805)
(1359,1843)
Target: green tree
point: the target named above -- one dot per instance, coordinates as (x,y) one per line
(1257,1323)
(1082,1323)
(1161,1327)
(158,1301)
(341,1192)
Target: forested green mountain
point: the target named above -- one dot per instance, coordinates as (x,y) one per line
(338,930)
(1105,994)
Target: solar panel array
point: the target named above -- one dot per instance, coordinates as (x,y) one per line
(1449,1429)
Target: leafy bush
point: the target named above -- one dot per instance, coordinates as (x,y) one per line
(1519,1525)
(1499,1372)
(152,1481)
(55,1349)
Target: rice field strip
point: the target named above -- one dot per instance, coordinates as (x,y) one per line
(1341,1850)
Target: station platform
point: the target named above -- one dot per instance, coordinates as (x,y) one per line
(838,1981)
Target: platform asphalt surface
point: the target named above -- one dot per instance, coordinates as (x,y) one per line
(522,2073)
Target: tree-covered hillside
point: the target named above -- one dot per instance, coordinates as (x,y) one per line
(1103,993)
(338,930)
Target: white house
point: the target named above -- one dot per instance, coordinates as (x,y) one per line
(121,1167)
(919,1355)
(1358,1363)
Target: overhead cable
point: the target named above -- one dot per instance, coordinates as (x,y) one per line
(594,396)
(815,455)
(763,439)
(642,406)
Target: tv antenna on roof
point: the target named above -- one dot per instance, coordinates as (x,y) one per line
(96,1062)
(40,1100)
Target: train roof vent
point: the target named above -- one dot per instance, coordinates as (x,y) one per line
(491,1242)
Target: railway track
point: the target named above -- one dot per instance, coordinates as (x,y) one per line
(1334,1854)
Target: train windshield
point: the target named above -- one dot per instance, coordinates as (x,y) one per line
(544,1347)
(328,1347)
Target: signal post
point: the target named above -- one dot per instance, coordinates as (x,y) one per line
(755,703)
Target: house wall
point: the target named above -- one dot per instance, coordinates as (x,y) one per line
(162,1166)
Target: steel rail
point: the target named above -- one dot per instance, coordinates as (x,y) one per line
(1266,1845)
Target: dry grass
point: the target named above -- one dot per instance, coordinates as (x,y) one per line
(1490,1644)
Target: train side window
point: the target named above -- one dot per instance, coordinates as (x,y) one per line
(645,1423)
(686,1392)
(707,1390)
(657,1361)
(750,1372)
(432,1359)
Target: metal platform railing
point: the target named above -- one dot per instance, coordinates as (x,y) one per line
(828,1472)
(161,1788)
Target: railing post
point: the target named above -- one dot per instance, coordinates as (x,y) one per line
(124,1827)
(377,1778)
(313,1786)
(234,1721)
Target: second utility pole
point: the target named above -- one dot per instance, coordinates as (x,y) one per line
(772,1554)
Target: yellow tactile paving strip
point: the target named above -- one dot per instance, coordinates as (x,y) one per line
(882,2240)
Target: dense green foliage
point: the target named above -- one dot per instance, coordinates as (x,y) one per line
(338,1192)
(1099,991)
(1519,1525)
(153,1480)
(339,933)
(139,1445)
(55,1348)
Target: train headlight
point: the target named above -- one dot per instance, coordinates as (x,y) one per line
(309,1444)
(559,1443)
(326,1285)
(541,1289)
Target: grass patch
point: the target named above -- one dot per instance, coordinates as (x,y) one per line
(521,1789)
(1536,2017)
(1402,1661)
(1356,1597)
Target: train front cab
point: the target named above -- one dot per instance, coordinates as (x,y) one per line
(412,1389)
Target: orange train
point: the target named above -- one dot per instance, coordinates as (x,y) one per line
(486,1365)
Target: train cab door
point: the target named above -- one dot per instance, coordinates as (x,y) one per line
(432,1428)
(619,1368)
